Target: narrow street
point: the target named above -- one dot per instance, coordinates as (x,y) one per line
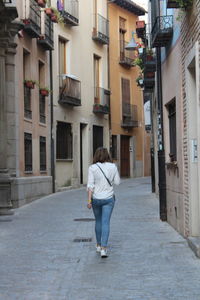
(43,255)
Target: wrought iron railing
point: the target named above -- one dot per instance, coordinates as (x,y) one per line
(129,115)
(70,91)
(101,96)
(126,56)
(70,11)
(162,30)
(32,19)
(101,28)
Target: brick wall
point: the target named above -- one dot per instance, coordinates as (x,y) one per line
(190,33)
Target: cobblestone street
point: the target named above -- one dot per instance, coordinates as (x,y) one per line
(149,260)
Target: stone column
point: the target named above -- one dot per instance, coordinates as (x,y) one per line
(7,105)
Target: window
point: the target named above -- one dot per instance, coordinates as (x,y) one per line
(62,59)
(43,164)
(172,129)
(42,109)
(28,152)
(96,78)
(64,141)
(122,31)
(125,90)
(27,91)
(114,147)
(27,103)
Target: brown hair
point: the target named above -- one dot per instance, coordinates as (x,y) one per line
(101,155)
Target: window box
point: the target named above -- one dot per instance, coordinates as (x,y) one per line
(29,83)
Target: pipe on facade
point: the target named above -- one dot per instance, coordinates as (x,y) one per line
(161,148)
(52,120)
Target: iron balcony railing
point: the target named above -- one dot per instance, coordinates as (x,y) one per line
(101,29)
(129,115)
(126,57)
(162,31)
(46,38)
(101,100)
(32,21)
(69,10)
(70,91)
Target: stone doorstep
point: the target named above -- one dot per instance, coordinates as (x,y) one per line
(194,243)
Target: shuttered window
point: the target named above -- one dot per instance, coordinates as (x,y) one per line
(43,159)
(28,152)
(172,129)
(125,90)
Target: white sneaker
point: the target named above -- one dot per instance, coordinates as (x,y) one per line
(104,253)
(98,249)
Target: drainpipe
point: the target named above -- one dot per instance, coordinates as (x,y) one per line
(161,149)
(52,120)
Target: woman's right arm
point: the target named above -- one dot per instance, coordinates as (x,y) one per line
(90,187)
(116,179)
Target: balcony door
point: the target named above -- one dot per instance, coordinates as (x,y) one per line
(97,137)
(62,60)
(96,78)
(124,156)
(126,99)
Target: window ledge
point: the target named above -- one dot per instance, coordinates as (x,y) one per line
(28,172)
(65,160)
(28,120)
(43,124)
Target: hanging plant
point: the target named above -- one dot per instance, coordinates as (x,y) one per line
(44,91)
(29,83)
(139,62)
(184,4)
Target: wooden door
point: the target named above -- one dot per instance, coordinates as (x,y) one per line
(124,157)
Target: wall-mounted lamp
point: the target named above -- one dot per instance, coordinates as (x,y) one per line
(132,44)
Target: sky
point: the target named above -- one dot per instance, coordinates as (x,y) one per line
(143,3)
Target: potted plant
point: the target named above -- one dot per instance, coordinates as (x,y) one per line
(149,54)
(29,83)
(44,91)
(42,3)
(140,80)
(184,4)
(49,11)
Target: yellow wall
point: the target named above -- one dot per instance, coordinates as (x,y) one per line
(117,72)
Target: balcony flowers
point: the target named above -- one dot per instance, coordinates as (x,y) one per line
(29,83)
(139,62)
(54,14)
(42,3)
(44,91)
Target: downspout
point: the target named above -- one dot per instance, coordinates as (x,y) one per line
(161,148)
(52,120)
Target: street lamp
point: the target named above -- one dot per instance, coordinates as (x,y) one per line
(132,45)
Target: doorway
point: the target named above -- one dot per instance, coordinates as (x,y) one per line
(124,156)
(97,137)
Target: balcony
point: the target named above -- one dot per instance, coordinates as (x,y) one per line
(8,10)
(140,29)
(150,65)
(46,38)
(101,30)
(126,57)
(32,20)
(69,10)
(149,81)
(101,101)
(70,91)
(162,31)
(129,115)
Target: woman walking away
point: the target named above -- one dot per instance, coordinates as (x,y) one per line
(102,174)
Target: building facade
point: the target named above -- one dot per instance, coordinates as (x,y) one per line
(81,89)
(175,108)
(25,143)
(129,138)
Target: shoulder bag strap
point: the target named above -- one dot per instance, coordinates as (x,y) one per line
(104,175)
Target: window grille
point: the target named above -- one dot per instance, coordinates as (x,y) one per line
(28,152)
(64,147)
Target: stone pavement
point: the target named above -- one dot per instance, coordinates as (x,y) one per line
(149,260)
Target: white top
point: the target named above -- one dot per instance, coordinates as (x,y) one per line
(97,182)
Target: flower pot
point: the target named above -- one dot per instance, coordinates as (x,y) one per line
(150,74)
(54,19)
(29,84)
(48,11)
(41,3)
(44,92)
(26,21)
(140,24)
(149,57)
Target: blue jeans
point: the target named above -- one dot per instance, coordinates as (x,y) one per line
(102,211)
